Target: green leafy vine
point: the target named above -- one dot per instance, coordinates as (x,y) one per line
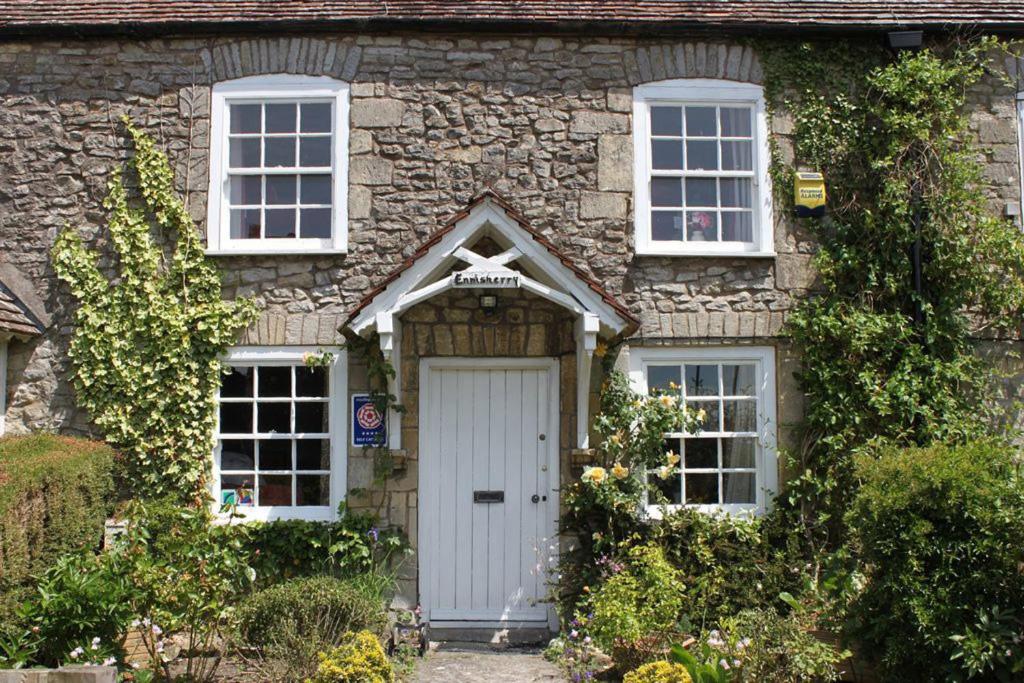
(148,336)
(886,360)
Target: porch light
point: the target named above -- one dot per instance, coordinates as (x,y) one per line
(488,303)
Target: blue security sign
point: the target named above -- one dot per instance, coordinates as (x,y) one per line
(368,427)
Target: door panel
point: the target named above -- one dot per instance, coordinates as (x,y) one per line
(482,431)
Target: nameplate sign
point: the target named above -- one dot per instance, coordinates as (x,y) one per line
(481,279)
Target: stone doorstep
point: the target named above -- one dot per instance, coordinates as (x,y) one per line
(69,674)
(487,638)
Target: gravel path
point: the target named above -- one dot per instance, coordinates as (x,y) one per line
(473,664)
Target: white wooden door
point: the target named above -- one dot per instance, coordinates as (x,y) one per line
(488,432)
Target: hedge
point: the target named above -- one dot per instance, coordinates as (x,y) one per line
(55,494)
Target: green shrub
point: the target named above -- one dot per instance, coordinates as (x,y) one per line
(290,623)
(766,645)
(354,545)
(360,659)
(55,494)
(728,564)
(659,672)
(645,597)
(941,534)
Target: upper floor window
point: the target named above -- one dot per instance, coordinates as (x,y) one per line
(730,465)
(278,165)
(701,154)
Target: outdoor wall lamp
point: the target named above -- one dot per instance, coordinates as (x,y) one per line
(488,303)
(904,40)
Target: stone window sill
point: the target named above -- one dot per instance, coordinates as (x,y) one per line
(709,254)
(275,252)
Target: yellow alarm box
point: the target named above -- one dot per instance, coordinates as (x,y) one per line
(809,194)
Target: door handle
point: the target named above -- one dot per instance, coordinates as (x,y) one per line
(537,498)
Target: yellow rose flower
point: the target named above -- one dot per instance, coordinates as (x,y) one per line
(595,475)
(615,438)
(667,400)
(665,471)
(601,349)
(620,472)
(672,458)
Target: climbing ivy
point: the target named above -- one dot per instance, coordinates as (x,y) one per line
(883,360)
(148,335)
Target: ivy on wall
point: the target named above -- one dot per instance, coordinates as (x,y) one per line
(887,360)
(148,337)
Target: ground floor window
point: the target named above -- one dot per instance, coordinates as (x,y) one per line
(280,434)
(731,463)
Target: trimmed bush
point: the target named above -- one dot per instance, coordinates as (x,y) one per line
(659,672)
(359,659)
(941,533)
(55,494)
(290,623)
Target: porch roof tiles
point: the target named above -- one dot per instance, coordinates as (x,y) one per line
(514,215)
(39,16)
(15,317)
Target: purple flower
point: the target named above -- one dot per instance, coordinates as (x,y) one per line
(374,533)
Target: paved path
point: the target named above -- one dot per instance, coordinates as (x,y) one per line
(481,664)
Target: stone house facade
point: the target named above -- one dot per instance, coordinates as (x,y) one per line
(344,173)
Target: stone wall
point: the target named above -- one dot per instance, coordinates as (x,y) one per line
(435,119)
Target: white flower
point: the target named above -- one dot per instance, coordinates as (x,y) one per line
(135,623)
(109,661)
(95,643)
(157,630)
(76,653)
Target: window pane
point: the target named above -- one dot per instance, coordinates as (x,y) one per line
(246,189)
(244,153)
(275,489)
(701,454)
(738,380)
(738,452)
(667,121)
(701,192)
(280,223)
(700,121)
(315,151)
(311,382)
(702,489)
(702,226)
(739,487)
(275,454)
(670,487)
(711,421)
(273,418)
(236,489)
(740,416)
(281,118)
(667,154)
(666,225)
(701,380)
(701,155)
(275,381)
(316,189)
(237,383)
(735,122)
(737,226)
(235,418)
(313,489)
(737,156)
(281,189)
(237,454)
(311,418)
(315,117)
(279,151)
(245,224)
(737,192)
(245,118)
(313,454)
(666,192)
(660,376)
(315,223)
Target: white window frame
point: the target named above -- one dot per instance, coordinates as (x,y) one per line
(338,416)
(763,358)
(679,92)
(1020,144)
(261,89)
